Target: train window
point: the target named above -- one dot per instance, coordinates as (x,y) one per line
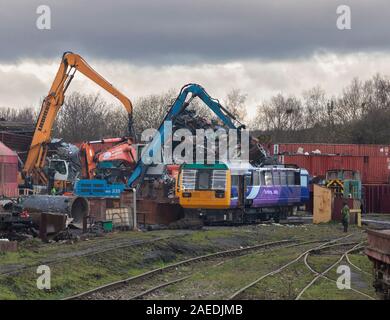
(188,180)
(204,180)
(297,178)
(290,178)
(262,178)
(304,181)
(248,180)
(58,165)
(330,175)
(256,178)
(276,177)
(219,180)
(283,178)
(268,178)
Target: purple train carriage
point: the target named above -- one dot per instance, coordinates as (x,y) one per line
(240,193)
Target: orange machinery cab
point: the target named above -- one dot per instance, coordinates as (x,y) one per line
(204,186)
(124,153)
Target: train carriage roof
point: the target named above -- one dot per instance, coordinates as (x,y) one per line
(240,167)
(196,166)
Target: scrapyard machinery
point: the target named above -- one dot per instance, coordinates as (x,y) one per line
(143,170)
(33,170)
(188,92)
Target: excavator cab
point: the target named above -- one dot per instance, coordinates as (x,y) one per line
(61,169)
(58,173)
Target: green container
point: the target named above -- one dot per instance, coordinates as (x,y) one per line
(107,225)
(353,188)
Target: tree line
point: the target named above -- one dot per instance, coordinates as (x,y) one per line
(359,114)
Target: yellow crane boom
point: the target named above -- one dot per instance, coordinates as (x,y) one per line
(70,63)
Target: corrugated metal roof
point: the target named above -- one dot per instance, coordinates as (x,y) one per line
(17,142)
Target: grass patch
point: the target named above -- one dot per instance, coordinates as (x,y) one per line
(75,274)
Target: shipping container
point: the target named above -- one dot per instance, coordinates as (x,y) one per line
(374,150)
(8,172)
(373,170)
(376,198)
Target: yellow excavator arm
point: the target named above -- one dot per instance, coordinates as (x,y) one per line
(52,103)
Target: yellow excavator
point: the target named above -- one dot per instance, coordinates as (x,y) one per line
(36,157)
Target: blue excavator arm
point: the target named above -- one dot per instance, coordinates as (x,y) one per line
(187,93)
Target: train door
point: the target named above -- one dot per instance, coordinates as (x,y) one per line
(244,181)
(240,189)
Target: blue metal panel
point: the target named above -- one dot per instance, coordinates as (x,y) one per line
(98,188)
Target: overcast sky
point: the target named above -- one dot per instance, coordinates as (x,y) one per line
(149,46)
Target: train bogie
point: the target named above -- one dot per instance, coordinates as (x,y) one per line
(238,216)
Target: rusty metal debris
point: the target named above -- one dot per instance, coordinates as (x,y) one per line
(75,207)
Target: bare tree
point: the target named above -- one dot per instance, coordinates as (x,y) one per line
(314,107)
(350,104)
(235,103)
(376,92)
(372,128)
(280,113)
(149,111)
(81,118)
(360,114)
(117,122)
(27,114)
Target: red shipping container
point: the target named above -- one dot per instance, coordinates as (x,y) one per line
(372,169)
(376,198)
(340,149)
(376,170)
(8,172)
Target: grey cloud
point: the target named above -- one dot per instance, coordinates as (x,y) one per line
(19,89)
(183,31)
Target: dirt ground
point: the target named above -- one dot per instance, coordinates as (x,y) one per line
(83,265)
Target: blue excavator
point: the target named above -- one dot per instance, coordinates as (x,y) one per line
(102,188)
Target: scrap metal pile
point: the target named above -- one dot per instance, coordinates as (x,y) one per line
(43,215)
(189,119)
(15,223)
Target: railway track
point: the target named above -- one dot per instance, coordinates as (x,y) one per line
(322,274)
(177,280)
(239,293)
(158,287)
(117,285)
(114,246)
(352,247)
(172,282)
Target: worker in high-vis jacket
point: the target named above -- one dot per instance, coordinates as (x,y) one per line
(345,216)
